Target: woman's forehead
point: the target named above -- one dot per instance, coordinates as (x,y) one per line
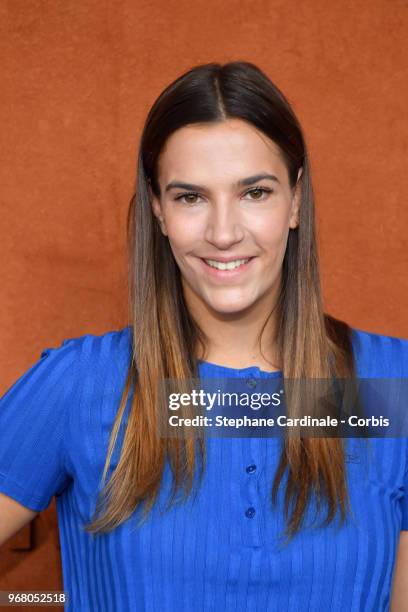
(231,149)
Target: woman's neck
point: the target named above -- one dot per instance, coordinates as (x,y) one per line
(233,338)
(237,362)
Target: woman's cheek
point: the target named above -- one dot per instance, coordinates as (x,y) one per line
(184,234)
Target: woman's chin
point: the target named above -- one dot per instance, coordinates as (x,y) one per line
(228,308)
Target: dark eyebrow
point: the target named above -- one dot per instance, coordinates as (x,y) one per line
(241,183)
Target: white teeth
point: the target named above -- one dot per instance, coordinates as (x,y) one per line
(231,265)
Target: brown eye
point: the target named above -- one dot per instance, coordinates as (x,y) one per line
(259,191)
(187,195)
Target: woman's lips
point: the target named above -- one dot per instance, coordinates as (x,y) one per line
(226,274)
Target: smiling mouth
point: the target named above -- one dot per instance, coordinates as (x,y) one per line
(224,266)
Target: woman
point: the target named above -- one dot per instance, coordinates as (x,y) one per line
(223,283)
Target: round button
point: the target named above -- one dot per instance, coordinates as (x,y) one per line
(251,468)
(250,513)
(251,382)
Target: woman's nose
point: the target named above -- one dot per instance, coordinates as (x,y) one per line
(223,225)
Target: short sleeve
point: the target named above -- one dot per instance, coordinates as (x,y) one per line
(403,360)
(404,500)
(34,414)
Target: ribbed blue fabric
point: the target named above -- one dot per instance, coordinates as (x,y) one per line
(221,550)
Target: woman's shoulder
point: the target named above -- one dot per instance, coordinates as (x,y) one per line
(87,356)
(92,347)
(120,335)
(64,364)
(379,354)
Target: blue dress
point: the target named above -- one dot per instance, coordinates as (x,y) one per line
(221,550)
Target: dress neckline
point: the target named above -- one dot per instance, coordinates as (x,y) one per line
(247,370)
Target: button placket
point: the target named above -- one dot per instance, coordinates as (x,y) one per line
(251,381)
(251,467)
(254,529)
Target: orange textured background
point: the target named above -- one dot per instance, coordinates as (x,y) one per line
(77,79)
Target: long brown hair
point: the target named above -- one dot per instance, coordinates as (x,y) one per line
(312,344)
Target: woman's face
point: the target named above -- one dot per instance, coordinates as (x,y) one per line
(217,205)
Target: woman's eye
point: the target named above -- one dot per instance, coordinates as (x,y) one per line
(258,192)
(187,196)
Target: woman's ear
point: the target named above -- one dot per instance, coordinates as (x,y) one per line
(296,199)
(156,208)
